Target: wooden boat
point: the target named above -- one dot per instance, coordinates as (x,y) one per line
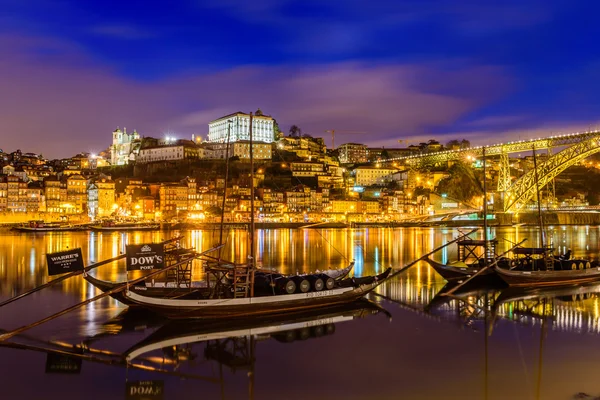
(225,305)
(471,259)
(41,226)
(171,289)
(284,328)
(453,272)
(549,277)
(125,226)
(538,267)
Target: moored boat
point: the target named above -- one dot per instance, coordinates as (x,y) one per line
(41,226)
(537,266)
(524,278)
(472,259)
(225,305)
(173,289)
(125,226)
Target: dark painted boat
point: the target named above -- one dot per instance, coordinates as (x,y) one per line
(41,226)
(473,256)
(170,290)
(200,306)
(125,226)
(452,272)
(532,266)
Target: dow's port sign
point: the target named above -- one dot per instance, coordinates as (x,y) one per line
(144,390)
(64,261)
(145,257)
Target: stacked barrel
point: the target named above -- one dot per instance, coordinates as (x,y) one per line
(273,283)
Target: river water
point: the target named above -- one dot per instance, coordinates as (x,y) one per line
(409,344)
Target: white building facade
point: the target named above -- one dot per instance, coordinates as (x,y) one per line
(237,125)
(167,153)
(122,146)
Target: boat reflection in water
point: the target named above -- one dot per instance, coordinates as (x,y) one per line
(178,337)
(574,308)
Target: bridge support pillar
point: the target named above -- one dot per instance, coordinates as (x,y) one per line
(504,181)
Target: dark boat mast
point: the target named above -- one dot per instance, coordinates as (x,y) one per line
(252,250)
(224,189)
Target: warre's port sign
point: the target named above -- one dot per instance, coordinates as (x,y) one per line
(145,257)
(64,261)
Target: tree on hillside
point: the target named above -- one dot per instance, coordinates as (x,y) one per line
(295,131)
(462,184)
(455,144)
(277,130)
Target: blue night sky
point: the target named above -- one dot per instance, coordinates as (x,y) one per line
(487,71)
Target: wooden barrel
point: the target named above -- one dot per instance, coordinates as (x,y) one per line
(318,331)
(328,281)
(303,333)
(316,282)
(284,285)
(330,329)
(302,284)
(286,337)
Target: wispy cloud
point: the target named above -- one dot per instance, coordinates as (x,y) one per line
(73,108)
(121,31)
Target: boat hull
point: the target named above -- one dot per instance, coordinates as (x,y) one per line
(125,228)
(453,274)
(254,306)
(548,278)
(154,291)
(151,291)
(43,230)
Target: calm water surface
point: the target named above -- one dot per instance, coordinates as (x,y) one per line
(414,346)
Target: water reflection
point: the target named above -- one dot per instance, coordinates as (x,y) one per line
(205,351)
(509,320)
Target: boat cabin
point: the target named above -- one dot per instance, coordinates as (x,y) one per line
(41,224)
(477,250)
(534,258)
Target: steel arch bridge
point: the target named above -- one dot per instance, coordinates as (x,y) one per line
(579,146)
(525,189)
